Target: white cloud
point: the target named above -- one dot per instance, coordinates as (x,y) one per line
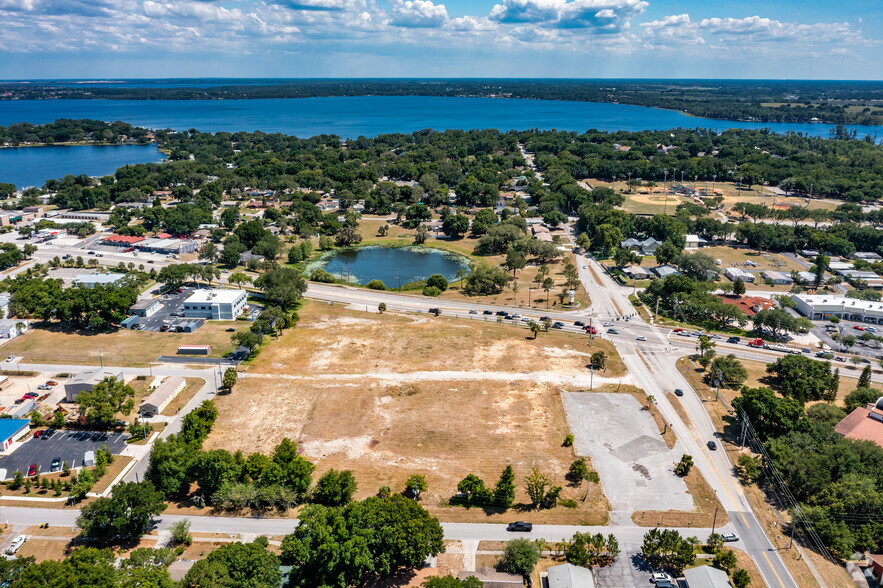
(418,14)
(612,15)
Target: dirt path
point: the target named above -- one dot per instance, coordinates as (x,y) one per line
(468,376)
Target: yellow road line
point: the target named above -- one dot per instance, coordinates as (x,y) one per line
(781,583)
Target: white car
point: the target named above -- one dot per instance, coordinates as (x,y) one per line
(16,544)
(660,577)
(10,358)
(641,338)
(729,537)
(608,324)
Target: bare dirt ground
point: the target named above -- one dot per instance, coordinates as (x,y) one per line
(379,395)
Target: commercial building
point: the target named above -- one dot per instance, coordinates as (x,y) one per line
(81,215)
(146,307)
(865,423)
(121,240)
(168,246)
(778,278)
(569,576)
(735,273)
(160,398)
(49,234)
(86,381)
(215,304)
(12,429)
(90,280)
(750,305)
(824,306)
(706,577)
(12,328)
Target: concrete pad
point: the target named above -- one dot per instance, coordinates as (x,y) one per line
(635,465)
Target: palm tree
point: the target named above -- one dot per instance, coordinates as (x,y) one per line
(535,328)
(381,307)
(548,284)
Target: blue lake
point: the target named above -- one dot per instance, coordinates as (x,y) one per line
(394,266)
(31,166)
(350,117)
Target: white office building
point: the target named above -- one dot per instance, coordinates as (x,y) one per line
(824,306)
(215,304)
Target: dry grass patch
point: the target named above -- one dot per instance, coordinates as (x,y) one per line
(120,462)
(385,433)
(191,387)
(335,340)
(122,347)
(45,549)
(765,261)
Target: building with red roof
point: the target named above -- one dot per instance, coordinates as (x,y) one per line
(865,423)
(121,240)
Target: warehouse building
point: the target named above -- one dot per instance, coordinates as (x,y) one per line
(160,398)
(91,280)
(215,304)
(12,429)
(735,273)
(824,306)
(145,308)
(86,381)
(168,246)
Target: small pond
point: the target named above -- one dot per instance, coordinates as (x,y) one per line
(393,265)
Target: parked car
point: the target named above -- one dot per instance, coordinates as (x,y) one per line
(733,340)
(858,327)
(43,387)
(10,358)
(520,527)
(16,545)
(729,537)
(37,433)
(712,445)
(48,434)
(56,465)
(660,577)
(679,392)
(32,469)
(683,333)
(51,383)
(677,330)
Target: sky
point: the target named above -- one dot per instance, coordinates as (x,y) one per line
(769,39)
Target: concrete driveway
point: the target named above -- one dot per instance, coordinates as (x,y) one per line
(635,464)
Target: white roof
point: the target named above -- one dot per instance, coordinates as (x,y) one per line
(706,577)
(570,576)
(824,302)
(98,278)
(215,295)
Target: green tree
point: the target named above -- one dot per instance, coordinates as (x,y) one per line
(578,471)
(864,380)
(437,281)
(515,260)
(239,278)
(236,564)
(415,486)
(230,377)
(770,415)
(748,468)
(715,542)
(335,488)
(455,225)
(520,556)
(725,560)
(729,370)
(452,582)
(284,285)
(504,491)
(667,549)
(821,266)
(802,378)
(474,490)
(598,360)
(181,532)
(741,579)
(340,546)
(128,512)
(739,287)
(107,398)
(860,397)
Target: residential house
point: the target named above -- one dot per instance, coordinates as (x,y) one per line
(865,423)
(777,278)
(706,577)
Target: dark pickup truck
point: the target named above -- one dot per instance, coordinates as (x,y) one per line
(520,527)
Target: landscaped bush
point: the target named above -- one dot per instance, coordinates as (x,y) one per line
(376,285)
(431,291)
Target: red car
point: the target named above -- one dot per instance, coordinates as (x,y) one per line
(592,330)
(38,433)
(858,328)
(32,470)
(678,330)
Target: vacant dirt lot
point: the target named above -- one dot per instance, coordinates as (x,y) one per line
(122,347)
(334,340)
(390,396)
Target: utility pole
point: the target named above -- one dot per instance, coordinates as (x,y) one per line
(101,357)
(714,520)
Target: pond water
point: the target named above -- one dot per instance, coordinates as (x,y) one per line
(393,265)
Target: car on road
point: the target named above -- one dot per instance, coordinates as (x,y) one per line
(515,315)
(434,311)
(729,537)
(32,469)
(502,313)
(612,332)
(679,392)
(865,360)
(641,338)
(488,312)
(585,267)
(715,336)
(10,358)
(696,333)
(558,325)
(56,465)
(733,340)
(840,358)
(660,577)
(526,319)
(43,387)
(473,312)
(591,330)
(806,350)
(51,383)
(16,545)
(712,445)
(608,324)
(579,324)
(520,527)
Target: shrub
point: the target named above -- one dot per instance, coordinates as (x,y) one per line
(321,275)
(376,285)
(181,533)
(384,492)
(568,503)
(437,281)
(568,440)
(520,557)
(431,291)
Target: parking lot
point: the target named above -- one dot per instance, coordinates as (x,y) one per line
(69,446)
(172,305)
(627,571)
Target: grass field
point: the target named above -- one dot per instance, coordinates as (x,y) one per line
(191,387)
(730,256)
(389,396)
(122,347)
